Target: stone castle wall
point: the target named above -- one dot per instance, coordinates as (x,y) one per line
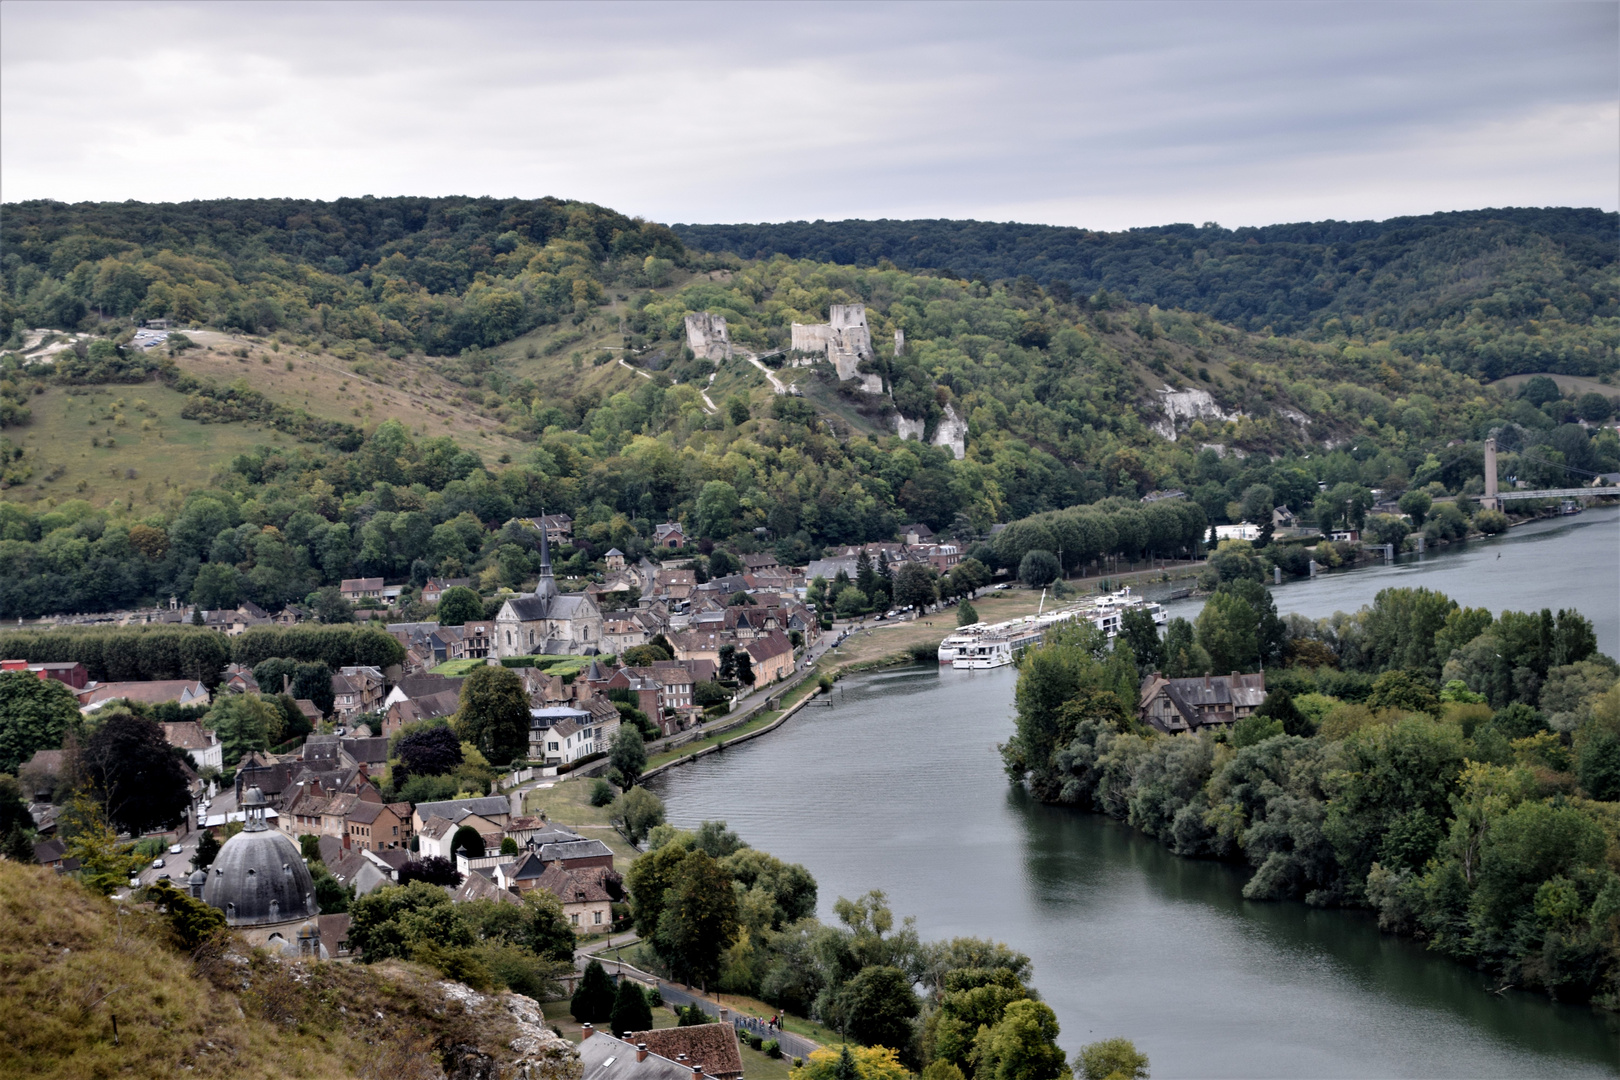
(707,337)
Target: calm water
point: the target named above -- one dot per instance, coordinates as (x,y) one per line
(898,787)
(1559,563)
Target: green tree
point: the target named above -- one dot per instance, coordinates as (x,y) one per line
(135,774)
(699,920)
(208,846)
(1113,1059)
(628,754)
(330,606)
(1138,630)
(966,613)
(630,1009)
(717,508)
(1415,505)
(396,920)
(16,824)
(1184,658)
(636,813)
(915,587)
(244,722)
(459,605)
(1038,569)
(650,878)
(35,714)
(1228,631)
(1022,1046)
(466,841)
(593,999)
(880,1006)
(1407,691)
(494,714)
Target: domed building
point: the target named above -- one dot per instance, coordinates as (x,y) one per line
(260,882)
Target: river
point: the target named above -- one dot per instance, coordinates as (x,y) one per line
(898,787)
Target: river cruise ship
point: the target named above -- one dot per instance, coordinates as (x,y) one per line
(986,645)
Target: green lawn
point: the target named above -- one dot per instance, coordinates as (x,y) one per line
(759,720)
(456,667)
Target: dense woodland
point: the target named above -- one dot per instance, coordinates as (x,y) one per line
(1456,772)
(1488,292)
(1061,394)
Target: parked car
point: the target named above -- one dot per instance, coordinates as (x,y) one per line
(157,864)
(134,881)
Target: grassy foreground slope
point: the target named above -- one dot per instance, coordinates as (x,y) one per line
(70,961)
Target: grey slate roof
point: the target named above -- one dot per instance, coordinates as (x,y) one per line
(488,805)
(606,1058)
(259,877)
(574,849)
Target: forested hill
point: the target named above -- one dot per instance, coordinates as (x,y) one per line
(436,274)
(1489,292)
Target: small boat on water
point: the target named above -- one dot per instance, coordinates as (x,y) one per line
(989,645)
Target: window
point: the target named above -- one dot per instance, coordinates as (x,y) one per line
(596,917)
(551,746)
(574,918)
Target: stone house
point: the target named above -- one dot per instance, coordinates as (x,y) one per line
(360,590)
(669,535)
(772,657)
(1174,705)
(374,826)
(203,746)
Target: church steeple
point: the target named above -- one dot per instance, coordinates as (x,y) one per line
(546,587)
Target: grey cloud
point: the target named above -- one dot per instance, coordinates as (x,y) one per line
(1100,114)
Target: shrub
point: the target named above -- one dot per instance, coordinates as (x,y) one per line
(1491,522)
(602,792)
(772,1048)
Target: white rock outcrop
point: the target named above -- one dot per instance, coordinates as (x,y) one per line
(1182,407)
(951,432)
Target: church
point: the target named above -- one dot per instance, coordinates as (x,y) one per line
(550,621)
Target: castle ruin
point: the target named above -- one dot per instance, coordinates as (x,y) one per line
(845,339)
(707,337)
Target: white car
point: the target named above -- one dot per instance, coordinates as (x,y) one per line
(157,864)
(135,881)
(175,849)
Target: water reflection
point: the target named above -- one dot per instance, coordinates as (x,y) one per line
(899,787)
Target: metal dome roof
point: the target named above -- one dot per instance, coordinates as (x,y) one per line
(259,877)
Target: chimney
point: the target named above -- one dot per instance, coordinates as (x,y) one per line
(641,1051)
(680,1057)
(697,1072)
(586,1032)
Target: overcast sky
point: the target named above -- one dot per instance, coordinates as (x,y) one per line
(1101,115)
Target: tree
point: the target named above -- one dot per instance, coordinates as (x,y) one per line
(105,865)
(628,754)
(1257,503)
(593,999)
(1138,630)
(1023,1045)
(330,606)
(966,613)
(244,722)
(429,751)
(494,714)
(1038,569)
(1227,630)
(466,841)
(16,823)
(1183,657)
(700,919)
(1415,505)
(208,846)
(1113,1059)
(880,1006)
(915,587)
(458,605)
(135,774)
(434,870)
(630,1009)
(645,655)
(854,1063)
(394,921)
(745,667)
(35,713)
(636,813)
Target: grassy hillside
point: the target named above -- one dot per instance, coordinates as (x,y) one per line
(285,460)
(1488,292)
(70,962)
